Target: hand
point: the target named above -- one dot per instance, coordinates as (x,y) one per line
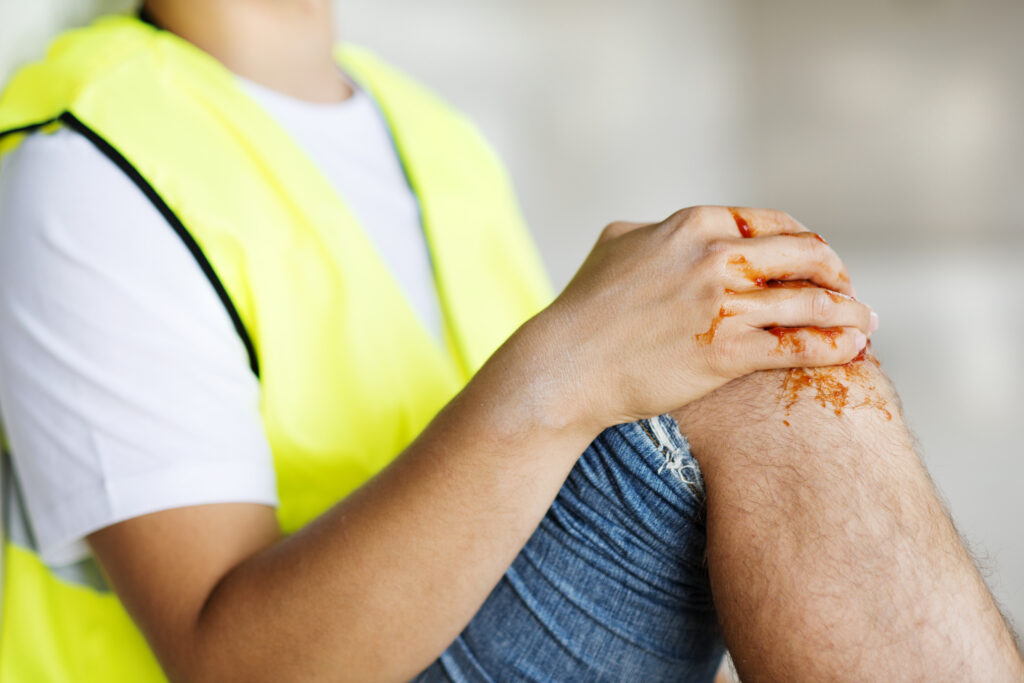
(662,314)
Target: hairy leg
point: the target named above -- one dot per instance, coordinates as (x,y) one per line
(831,556)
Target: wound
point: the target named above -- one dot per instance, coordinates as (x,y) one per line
(830,387)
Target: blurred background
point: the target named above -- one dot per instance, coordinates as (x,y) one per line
(893,127)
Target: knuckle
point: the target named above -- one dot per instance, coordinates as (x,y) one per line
(678,218)
(613,230)
(695,215)
(819,253)
(787,222)
(715,260)
(777,220)
(701,212)
(820,305)
(720,248)
(813,247)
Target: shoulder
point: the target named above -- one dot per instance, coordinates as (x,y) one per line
(58,171)
(62,202)
(125,389)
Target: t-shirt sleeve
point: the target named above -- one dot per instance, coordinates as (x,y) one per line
(124,388)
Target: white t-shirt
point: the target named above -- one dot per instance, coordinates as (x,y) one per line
(124,387)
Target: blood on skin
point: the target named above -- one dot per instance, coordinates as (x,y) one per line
(829,391)
(751,273)
(790,339)
(832,385)
(759,279)
(791,284)
(741,224)
(836,297)
(709,336)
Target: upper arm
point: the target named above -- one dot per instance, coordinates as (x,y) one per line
(127,400)
(123,386)
(164,566)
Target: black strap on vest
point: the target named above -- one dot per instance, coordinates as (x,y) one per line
(146,16)
(72,122)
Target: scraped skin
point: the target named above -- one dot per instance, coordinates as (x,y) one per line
(831,556)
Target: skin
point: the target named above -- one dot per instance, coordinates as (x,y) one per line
(377,587)
(838,561)
(282,44)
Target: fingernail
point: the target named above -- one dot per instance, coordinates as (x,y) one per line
(860,340)
(873,324)
(853,290)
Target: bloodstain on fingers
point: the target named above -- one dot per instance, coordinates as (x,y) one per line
(753,274)
(790,339)
(709,336)
(842,276)
(741,224)
(836,297)
(760,280)
(790,284)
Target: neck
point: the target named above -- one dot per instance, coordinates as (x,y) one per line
(285,45)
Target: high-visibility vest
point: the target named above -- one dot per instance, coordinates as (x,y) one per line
(348,374)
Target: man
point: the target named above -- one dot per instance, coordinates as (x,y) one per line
(129,395)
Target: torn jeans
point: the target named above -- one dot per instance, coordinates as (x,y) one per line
(613,584)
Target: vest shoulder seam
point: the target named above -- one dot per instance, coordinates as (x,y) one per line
(108,150)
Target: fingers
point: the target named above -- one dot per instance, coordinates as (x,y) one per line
(805,306)
(753,264)
(735,221)
(762,222)
(807,347)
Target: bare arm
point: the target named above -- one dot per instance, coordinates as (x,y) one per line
(373,590)
(377,587)
(831,556)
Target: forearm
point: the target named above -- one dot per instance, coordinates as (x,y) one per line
(657,316)
(829,550)
(377,587)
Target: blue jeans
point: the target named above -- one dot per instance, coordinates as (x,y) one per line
(613,584)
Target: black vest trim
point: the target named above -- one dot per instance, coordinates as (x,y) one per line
(72,122)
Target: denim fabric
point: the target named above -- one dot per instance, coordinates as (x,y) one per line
(613,585)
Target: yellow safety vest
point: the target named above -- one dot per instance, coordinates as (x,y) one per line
(348,373)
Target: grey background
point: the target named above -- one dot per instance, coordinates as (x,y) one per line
(893,127)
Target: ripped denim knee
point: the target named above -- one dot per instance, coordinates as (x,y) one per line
(663,431)
(613,584)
